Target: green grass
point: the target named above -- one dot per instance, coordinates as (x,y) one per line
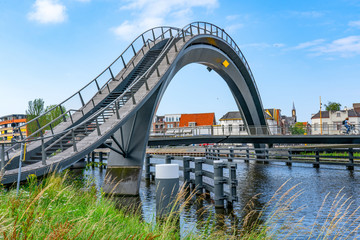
(57,207)
(325,154)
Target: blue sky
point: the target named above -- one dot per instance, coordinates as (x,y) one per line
(297,50)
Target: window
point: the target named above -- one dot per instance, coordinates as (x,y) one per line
(241,128)
(316,125)
(192,124)
(338,114)
(326,127)
(230,128)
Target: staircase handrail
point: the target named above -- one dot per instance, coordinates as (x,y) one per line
(180,34)
(106,69)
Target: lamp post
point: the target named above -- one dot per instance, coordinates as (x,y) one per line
(320,118)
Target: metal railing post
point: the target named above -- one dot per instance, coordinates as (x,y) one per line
(198,175)
(231,154)
(2,159)
(43,153)
(19,170)
(232,183)
(168,159)
(350,166)
(73,140)
(288,163)
(97,127)
(147,167)
(219,184)
(93,156)
(186,169)
(317,159)
(247,155)
(214,154)
(266,153)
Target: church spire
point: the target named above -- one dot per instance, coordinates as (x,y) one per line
(293,112)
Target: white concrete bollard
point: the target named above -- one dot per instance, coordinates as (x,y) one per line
(167,187)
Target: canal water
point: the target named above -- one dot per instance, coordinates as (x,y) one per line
(313,193)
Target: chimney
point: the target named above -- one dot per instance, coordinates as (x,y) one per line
(356,107)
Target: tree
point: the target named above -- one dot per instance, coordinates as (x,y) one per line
(35,109)
(297,129)
(332,106)
(54,114)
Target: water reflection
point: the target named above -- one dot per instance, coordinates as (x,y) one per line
(257,184)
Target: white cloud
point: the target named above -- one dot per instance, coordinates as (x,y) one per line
(234,27)
(278,45)
(343,47)
(307,14)
(232,17)
(152,13)
(48,11)
(309,44)
(262,45)
(354,24)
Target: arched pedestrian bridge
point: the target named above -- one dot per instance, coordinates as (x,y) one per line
(119,104)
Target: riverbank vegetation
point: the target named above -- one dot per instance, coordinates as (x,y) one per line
(57,207)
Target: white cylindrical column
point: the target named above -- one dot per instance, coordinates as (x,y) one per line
(167,187)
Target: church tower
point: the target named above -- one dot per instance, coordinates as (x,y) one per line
(293,112)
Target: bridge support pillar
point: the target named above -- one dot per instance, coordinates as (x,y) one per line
(122,180)
(126,158)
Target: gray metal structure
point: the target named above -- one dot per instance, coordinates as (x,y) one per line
(123,108)
(260,139)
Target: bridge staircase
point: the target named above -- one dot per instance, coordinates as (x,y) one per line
(64,141)
(82,129)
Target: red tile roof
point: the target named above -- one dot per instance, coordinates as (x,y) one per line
(201,119)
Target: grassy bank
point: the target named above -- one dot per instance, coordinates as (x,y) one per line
(59,208)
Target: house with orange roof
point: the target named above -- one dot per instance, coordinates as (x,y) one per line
(185,124)
(197,120)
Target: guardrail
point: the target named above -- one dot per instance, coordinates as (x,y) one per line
(240,129)
(349,157)
(203,176)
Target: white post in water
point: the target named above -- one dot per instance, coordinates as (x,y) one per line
(167,187)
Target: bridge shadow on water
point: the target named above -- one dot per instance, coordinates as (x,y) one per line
(258,189)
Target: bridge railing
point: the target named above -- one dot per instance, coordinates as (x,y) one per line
(348,157)
(79,99)
(96,118)
(100,83)
(240,129)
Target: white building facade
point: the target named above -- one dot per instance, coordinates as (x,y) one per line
(232,124)
(330,122)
